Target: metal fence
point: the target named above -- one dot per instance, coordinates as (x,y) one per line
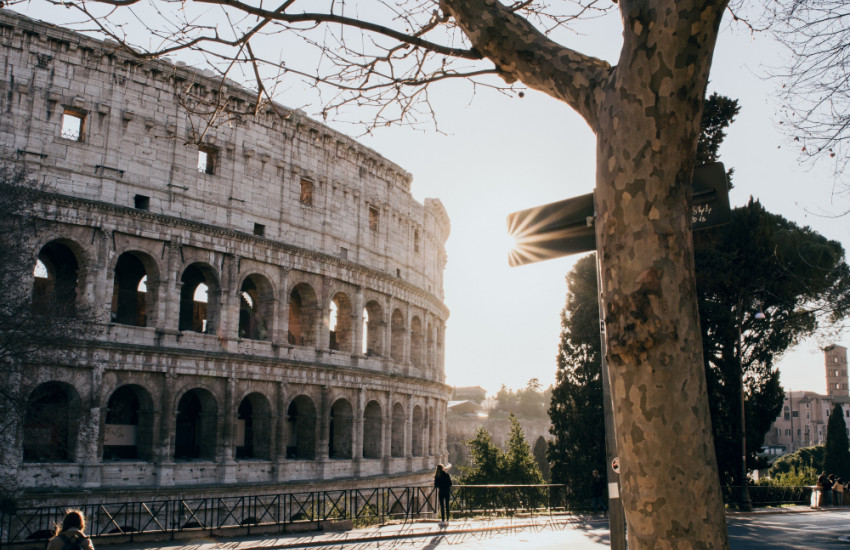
(169,517)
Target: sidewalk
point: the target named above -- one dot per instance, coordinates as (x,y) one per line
(383,532)
(397,531)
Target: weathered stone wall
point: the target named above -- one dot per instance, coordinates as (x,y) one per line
(295,228)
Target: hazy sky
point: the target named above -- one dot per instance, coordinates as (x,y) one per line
(500,154)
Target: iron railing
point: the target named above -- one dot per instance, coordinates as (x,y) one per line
(169,517)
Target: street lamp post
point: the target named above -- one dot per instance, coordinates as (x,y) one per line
(744,502)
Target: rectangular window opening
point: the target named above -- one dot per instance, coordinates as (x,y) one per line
(259,230)
(373,218)
(73,124)
(306,196)
(142,202)
(416,241)
(207,160)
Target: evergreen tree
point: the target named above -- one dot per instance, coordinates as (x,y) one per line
(576,412)
(491,466)
(836,458)
(539,451)
(520,466)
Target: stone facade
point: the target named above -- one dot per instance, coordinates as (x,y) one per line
(272,291)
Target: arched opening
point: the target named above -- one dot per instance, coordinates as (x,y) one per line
(253,427)
(397,428)
(416,342)
(51,421)
(397,343)
(55,280)
(301,429)
(341,323)
(373,324)
(340,430)
(303,307)
(373,430)
(128,429)
(195,433)
(255,308)
(197,312)
(130,303)
(418,432)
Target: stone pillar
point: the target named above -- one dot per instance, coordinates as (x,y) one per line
(226,427)
(168,291)
(281,436)
(229,318)
(388,336)
(167,423)
(358,323)
(281,312)
(88,437)
(408,432)
(324,424)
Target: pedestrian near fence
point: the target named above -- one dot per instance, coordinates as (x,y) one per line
(70,534)
(443,483)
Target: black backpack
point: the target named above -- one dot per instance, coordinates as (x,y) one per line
(72,541)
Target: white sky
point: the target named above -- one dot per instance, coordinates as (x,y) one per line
(505,154)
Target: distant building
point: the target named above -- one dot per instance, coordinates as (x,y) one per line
(802,422)
(476,394)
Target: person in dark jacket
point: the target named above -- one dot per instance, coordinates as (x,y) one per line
(597,492)
(443,483)
(71,533)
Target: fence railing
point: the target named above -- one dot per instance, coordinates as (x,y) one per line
(768,495)
(173,516)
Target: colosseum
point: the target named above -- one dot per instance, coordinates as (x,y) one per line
(271,292)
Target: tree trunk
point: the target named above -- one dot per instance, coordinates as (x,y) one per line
(647,129)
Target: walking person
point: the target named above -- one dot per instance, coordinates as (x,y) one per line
(70,535)
(838,492)
(597,491)
(443,483)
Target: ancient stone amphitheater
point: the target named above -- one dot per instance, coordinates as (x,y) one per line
(271,292)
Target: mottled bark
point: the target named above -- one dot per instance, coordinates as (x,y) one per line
(646,113)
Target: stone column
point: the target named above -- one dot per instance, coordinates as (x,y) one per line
(167,422)
(408,432)
(324,424)
(89,434)
(386,452)
(281,334)
(323,318)
(358,323)
(281,436)
(388,335)
(229,317)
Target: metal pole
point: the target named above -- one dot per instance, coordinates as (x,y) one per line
(616,515)
(745,502)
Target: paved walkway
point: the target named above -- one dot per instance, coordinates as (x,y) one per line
(591,532)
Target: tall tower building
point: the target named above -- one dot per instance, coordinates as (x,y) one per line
(835,357)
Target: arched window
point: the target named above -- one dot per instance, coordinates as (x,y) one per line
(51,420)
(301,429)
(341,321)
(373,430)
(340,430)
(55,280)
(373,324)
(397,344)
(195,433)
(255,308)
(253,427)
(397,436)
(128,430)
(303,307)
(418,431)
(197,312)
(129,297)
